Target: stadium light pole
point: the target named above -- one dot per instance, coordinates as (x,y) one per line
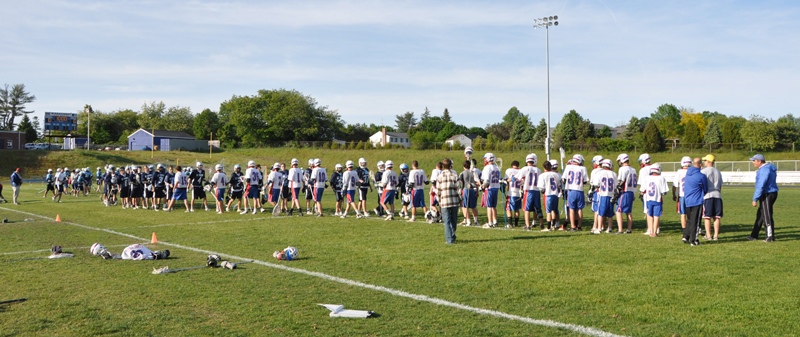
(545,23)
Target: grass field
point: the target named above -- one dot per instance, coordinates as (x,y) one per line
(622,284)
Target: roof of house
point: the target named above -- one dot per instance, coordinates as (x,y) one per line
(392,134)
(471,136)
(166,134)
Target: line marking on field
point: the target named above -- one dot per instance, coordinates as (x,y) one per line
(71,248)
(200,223)
(547,323)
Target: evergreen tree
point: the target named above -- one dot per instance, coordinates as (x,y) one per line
(521,131)
(26,127)
(446,116)
(713,134)
(605,132)
(632,130)
(540,133)
(691,133)
(730,132)
(425,115)
(653,142)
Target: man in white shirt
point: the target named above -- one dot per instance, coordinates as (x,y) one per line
(677,187)
(491,186)
(417,181)
(531,198)
(295,185)
(389,185)
(603,183)
(626,184)
(514,202)
(350,185)
(435,174)
(654,188)
(319,179)
(550,185)
(274,184)
(575,176)
(252,177)
(219,180)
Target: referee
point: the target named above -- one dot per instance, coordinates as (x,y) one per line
(766,193)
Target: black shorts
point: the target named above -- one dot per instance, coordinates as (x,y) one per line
(286,192)
(712,208)
(309,193)
(136,192)
(362,193)
(148,194)
(50,187)
(339,195)
(236,195)
(198,193)
(125,192)
(170,192)
(159,192)
(60,188)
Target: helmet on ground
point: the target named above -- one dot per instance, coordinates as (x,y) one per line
(578,159)
(251,164)
(554,163)
(295,161)
(317,162)
(218,167)
(389,163)
(623,158)
(212,260)
(338,166)
(644,158)
(237,167)
(403,166)
(362,162)
(292,253)
(380,163)
(531,158)
(96,249)
(349,163)
(607,163)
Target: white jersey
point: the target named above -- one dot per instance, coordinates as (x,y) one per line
(576,177)
(478,172)
(550,183)
(644,172)
(137,252)
(389,180)
(254,176)
(606,182)
(678,182)
(514,184)
(529,175)
(276,178)
(61,178)
(654,188)
(627,175)
(319,176)
(219,180)
(295,177)
(491,175)
(435,174)
(181,180)
(350,180)
(418,178)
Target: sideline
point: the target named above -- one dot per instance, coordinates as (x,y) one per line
(547,323)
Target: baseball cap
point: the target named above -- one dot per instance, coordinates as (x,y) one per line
(709,157)
(759,157)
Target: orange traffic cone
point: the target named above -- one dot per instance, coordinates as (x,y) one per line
(154,240)
(58,218)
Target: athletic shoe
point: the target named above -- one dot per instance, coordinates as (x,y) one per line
(561,228)
(684,240)
(218,212)
(527,228)
(389,217)
(308,211)
(319,215)
(714,238)
(168,210)
(750,238)
(366,215)
(617,233)
(463,223)
(697,243)
(191,210)
(509,226)
(209,209)
(289,212)
(255,212)
(377,212)
(156,209)
(545,229)
(300,213)
(628,231)
(243,212)
(358,216)
(580,229)
(707,238)
(770,240)
(412,219)
(646,233)
(572,230)
(488,225)
(343,216)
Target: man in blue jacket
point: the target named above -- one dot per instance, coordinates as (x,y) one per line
(16,184)
(766,194)
(695,187)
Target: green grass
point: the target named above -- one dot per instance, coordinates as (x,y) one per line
(625,284)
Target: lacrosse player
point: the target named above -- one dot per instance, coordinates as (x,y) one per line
(87,173)
(514,198)
(603,183)
(124,187)
(677,186)
(148,186)
(575,176)
(219,181)
(307,186)
(295,179)
(99,177)
(491,185)
(469,182)
(158,179)
(625,187)
(262,192)
(60,182)
(274,185)
(416,183)
(136,186)
(336,186)
(531,199)
(654,187)
(378,178)
(109,181)
(402,185)
(597,166)
(237,185)
(251,177)
(350,181)
(363,184)
(181,183)
(435,174)
(50,179)
(644,172)
(197,179)
(389,186)
(319,179)
(550,184)
(286,194)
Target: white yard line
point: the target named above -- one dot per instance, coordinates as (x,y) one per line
(548,323)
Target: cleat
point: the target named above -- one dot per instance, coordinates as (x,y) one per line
(769,240)
(617,233)
(389,217)
(750,238)
(207,209)
(289,212)
(412,219)
(255,212)
(191,210)
(319,215)
(343,216)
(628,231)
(358,216)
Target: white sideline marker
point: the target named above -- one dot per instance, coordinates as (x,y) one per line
(547,323)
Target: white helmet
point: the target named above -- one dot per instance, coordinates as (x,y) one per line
(49,170)
(96,249)
(644,158)
(317,162)
(162,166)
(686,161)
(380,163)
(655,168)
(488,158)
(597,159)
(349,163)
(199,164)
(295,161)
(554,163)
(110,168)
(134,167)
(218,167)
(251,164)
(389,164)
(578,159)
(532,158)
(276,166)
(98,168)
(623,158)
(311,162)
(237,166)
(338,166)
(362,162)
(468,152)
(607,163)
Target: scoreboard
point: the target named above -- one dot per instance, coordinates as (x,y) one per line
(61,121)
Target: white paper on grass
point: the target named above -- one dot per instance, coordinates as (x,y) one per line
(338,310)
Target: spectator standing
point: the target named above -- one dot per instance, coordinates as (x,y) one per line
(712,201)
(695,186)
(766,193)
(16,184)
(449,199)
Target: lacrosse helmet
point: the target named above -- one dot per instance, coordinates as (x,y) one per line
(468,152)
(317,162)
(218,167)
(295,161)
(311,162)
(121,169)
(531,158)
(655,168)
(291,253)
(134,167)
(110,168)
(338,166)
(349,163)
(159,166)
(488,158)
(389,164)
(98,168)
(251,164)
(623,158)
(362,162)
(237,167)
(96,249)
(149,166)
(597,160)
(554,163)
(49,170)
(578,159)
(607,163)
(55,250)
(212,260)
(686,161)
(276,166)
(644,158)
(380,163)
(403,166)
(199,164)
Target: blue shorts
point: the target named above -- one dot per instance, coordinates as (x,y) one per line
(712,208)
(417,198)
(318,193)
(514,204)
(252,192)
(575,200)
(655,208)
(275,196)
(180,194)
(594,202)
(489,198)
(470,198)
(219,194)
(604,207)
(532,202)
(625,203)
(295,192)
(351,196)
(387,198)
(680,207)
(551,205)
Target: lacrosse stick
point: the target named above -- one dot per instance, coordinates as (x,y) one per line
(13,301)
(566,191)
(54,256)
(276,210)
(499,163)
(166,270)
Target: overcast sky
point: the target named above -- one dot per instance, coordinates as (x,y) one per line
(372,60)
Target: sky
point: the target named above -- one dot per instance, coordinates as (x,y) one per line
(373,60)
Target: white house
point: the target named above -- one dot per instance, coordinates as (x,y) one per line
(384,138)
(464,140)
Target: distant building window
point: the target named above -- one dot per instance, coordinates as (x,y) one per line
(10,144)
